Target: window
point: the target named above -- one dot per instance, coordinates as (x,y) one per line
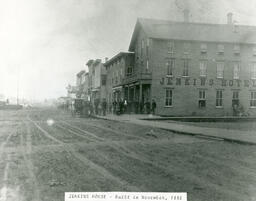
(170,66)
(186,48)
(253,71)
(142,47)
(129,71)
(219,98)
(236,71)
(168,97)
(203,48)
(253,99)
(203,67)
(185,67)
(235,99)
(220,49)
(202,99)
(147,47)
(236,49)
(254,51)
(103,80)
(220,69)
(147,66)
(171,47)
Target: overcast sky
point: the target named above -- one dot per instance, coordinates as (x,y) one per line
(45,43)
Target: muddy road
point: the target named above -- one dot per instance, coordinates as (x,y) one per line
(46,152)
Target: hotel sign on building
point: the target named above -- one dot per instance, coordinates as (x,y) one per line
(171,81)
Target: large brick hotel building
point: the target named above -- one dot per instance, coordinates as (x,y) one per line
(192,68)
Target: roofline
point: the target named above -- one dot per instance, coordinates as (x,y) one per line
(97,61)
(80,73)
(120,54)
(135,32)
(199,23)
(204,41)
(89,62)
(138,26)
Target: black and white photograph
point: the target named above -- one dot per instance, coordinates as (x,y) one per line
(124,100)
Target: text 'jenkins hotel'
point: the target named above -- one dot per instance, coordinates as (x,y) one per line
(193,68)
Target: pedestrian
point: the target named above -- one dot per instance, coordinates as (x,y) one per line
(125,106)
(153,106)
(104,107)
(121,106)
(147,104)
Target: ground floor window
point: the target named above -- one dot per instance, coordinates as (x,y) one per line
(219,98)
(168,97)
(202,99)
(253,99)
(235,99)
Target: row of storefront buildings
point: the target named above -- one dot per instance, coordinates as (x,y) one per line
(188,69)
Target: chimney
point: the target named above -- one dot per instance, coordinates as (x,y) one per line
(229,18)
(106,59)
(186,15)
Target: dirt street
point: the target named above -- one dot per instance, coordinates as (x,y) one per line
(46,152)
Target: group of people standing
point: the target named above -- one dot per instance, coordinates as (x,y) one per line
(123,106)
(119,107)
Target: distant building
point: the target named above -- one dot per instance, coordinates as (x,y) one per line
(96,81)
(118,68)
(194,68)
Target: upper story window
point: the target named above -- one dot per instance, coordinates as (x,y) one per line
(236,49)
(236,70)
(142,47)
(170,47)
(147,65)
(203,68)
(253,70)
(254,51)
(170,66)
(103,80)
(147,48)
(220,50)
(185,67)
(129,71)
(148,42)
(253,99)
(187,47)
(203,48)
(220,70)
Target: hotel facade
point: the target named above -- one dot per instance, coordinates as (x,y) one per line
(193,69)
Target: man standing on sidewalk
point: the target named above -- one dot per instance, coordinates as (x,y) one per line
(104,106)
(147,104)
(153,106)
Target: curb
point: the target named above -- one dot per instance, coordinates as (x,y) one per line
(199,135)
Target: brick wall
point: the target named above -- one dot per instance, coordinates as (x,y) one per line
(185,97)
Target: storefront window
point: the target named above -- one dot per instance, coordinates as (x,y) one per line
(253,99)
(202,99)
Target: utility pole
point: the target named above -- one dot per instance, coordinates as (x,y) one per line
(18,82)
